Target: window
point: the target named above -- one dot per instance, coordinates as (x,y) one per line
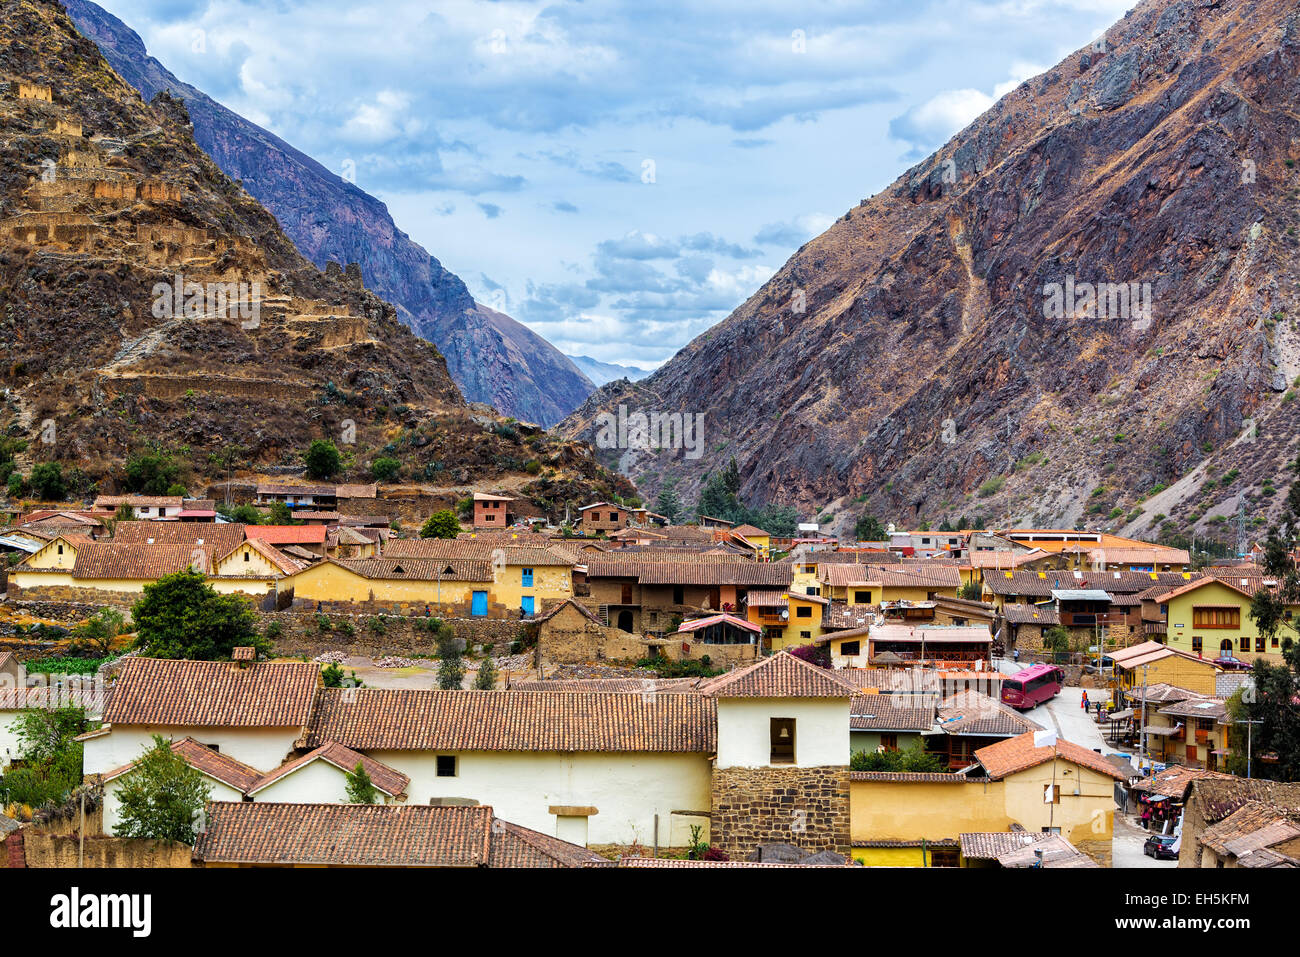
(446,765)
(813,590)
(1245,642)
(803,611)
(805,634)
(1259,642)
(679,595)
(783,741)
(850,649)
(889,742)
(528,577)
(862,598)
(1196,643)
(246,556)
(1216,617)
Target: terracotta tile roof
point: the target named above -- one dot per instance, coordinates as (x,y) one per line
(714,573)
(1175,781)
(389,780)
(1215,708)
(448,548)
(287,534)
(516,846)
(615,564)
(1052,851)
(418,569)
(1233,583)
(222,537)
(1017,754)
(624,685)
(780,676)
(839,615)
(893,680)
(139,562)
(282,562)
(403,720)
(989,845)
(1160,694)
(315,491)
(377,835)
(997,560)
(560,606)
(220,767)
(748,530)
(149,501)
(166,692)
(1253,826)
(1019,614)
(974,713)
(846,574)
(891,712)
(930,777)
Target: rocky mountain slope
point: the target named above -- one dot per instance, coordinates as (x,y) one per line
(146,299)
(493,358)
(933,354)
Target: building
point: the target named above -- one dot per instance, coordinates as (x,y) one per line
(916,820)
(459,588)
(1240,822)
(148,507)
(890,722)
(602,517)
(491,511)
(357,835)
(526,578)
(1154,663)
(787,618)
(1210,617)
(967,645)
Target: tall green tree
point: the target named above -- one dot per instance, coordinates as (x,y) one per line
(668,503)
(46,481)
(451,664)
(360,789)
(49,756)
(869,529)
(486,678)
(152,472)
(181,616)
(162,797)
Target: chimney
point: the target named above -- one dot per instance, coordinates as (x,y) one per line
(243,656)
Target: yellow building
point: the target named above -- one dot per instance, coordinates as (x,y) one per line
(788,618)
(761,540)
(872,584)
(524,578)
(1153,663)
(1211,617)
(1061,787)
(1193,732)
(60,553)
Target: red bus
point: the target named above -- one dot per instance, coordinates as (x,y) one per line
(1031,687)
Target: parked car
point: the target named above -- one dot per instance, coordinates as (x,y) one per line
(1229,663)
(1161,847)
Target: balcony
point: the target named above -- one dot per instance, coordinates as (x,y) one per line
(1155,627)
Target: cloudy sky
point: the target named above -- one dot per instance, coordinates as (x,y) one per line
(618,176)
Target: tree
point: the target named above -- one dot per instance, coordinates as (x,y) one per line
(151,472)
(718,501)
(180,616)
(441,524)
(486,679)
(385,469)
(971,591)
(669,503)
(94,637)
(779,521)
(162,797)
(1057,640)
(243,514)
(360,789)
(280,514)
(451,666)
(914,758)
(46,481)
(869,529)
(49,756)
(323,459)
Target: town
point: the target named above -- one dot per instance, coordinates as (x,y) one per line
(486,689)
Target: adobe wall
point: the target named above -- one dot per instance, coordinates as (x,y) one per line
(806,807)
(570,639)
(42,849)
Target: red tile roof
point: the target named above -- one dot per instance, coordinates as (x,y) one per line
(780,676)
(220,767)
(101,560)
(160,691)
(287,534)
(1018,754)
(365,835)
(407,720)
(389,780)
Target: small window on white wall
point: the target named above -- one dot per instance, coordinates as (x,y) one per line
(446,765)
(782,741)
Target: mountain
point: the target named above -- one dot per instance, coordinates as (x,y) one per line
(602,372)
(930,355)
(331,219)
(149,300)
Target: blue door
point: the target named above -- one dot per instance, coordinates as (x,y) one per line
(528,604)
(478,607)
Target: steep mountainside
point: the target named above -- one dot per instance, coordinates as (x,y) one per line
(602,372)
(924,357)
(493,358)
(146,298)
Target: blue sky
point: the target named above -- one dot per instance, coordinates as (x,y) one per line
(618,176)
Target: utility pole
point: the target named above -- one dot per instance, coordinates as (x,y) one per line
(1249,742)
(1142,730)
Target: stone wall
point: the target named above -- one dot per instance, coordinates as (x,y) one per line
(300,634)
(71,595)
(806,807)
(51,610)
(570,638)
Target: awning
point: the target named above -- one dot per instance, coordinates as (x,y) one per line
(1120,715)
(1152,729)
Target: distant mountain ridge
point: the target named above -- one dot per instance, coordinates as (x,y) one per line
(927,357)
(602,372)
(492,358)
